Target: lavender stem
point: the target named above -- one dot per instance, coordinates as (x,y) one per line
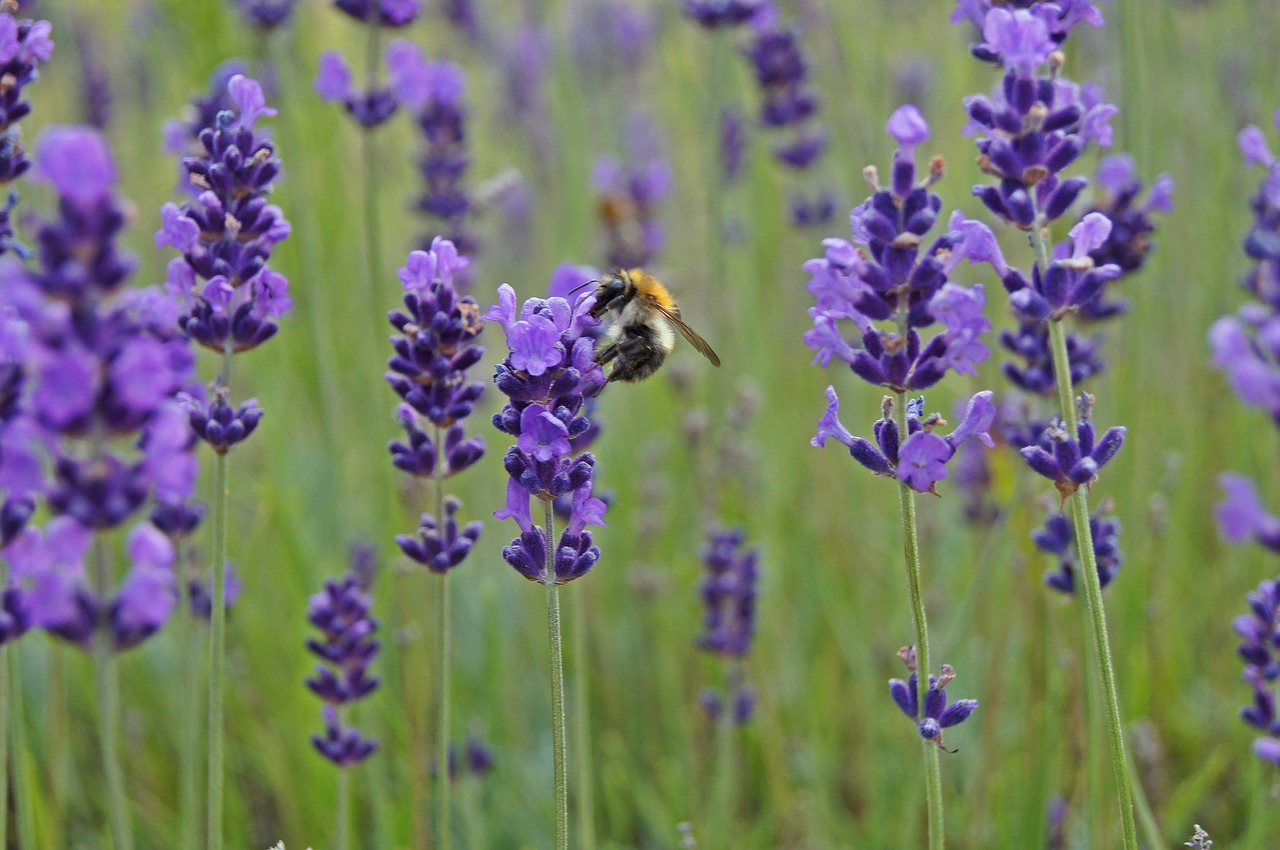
(6,731)
(911,553)
(1079,502)
(586,824)
(218,623)
(344,809)
(109,708)
(557,684)
(22,791)
(371,225)
(443,780)
(188,758)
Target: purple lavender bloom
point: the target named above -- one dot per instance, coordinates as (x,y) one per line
(227,233)
(1132,222)
(477,759)
(428,371)
(882,274)
(382,13)
(266,14)
(733,144)
(718,14)
(547,380)
(1070,463)
(1035,126)
(729,594)
(938,712)
(219,424)
(1245,345)
(49,573)
(1056,537)
(1035,375)
(433,92)
(1241,515)
(346,648)
(369,107)
(1260,636)
(1058,19)
(24,44)
(182,135)
(1071,282)
(919,461)
(201,593)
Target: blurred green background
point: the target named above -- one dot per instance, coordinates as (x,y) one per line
(828,761)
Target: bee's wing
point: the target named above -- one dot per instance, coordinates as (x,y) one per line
(695,339)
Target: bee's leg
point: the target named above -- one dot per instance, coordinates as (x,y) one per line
(604,355)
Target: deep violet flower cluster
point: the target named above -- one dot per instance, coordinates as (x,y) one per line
(433,93)
(382,13)
(729,620)
(547,375)
(24,44)
(266,14)
(1056,537)
(938,713)
(98,429)
(433,350)
(883,274)
(1259,631)
(1244,347)
(374,105)
(229,298)
(788,106)
(1073,462)
(346,648)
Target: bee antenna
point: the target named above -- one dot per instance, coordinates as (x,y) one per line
(583,285)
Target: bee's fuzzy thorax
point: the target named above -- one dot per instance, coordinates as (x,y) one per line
(647,284)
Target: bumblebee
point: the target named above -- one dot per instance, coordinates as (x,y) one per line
(640,336)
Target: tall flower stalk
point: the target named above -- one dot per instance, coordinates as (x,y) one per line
(102,432)
(372,105)
(884,275)
(1028,134)
(346,648)
(1247,352)
(24,45)
(433,351)
(230,302)
(548,374)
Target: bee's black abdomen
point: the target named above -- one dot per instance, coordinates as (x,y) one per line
(634,355)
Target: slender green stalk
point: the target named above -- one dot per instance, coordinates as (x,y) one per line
(719,831)
(108,688)
(557,685)
(586,822)
(59,746)
(915,597)
(218,626)
(369,149)
(911,552)
(1079,502)
(23,794)
(344,808)
(5,732)
(444,783)
(189,748)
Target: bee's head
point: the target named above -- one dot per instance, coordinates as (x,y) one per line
(610,288)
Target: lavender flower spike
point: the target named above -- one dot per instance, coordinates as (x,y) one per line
(938,713)
(547,376)
(347,646)
(921,460)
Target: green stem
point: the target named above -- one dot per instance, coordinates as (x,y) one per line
(369,149)
(915,597)
(1088,579)
(911,552)
(109,709)
(5,731)
(59,746)
(188,755)
(23,793)
(720,824)
(344,808)
(557,685)
(444,782)
(218,625)
(586,824)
